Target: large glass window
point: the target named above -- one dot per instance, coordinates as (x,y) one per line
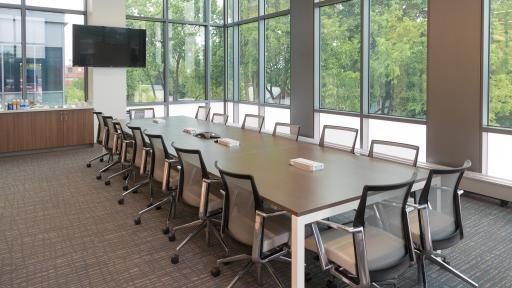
(248,8)
(217,11)
(277,60)
(145,8)
(340,34)
(59,4)
(191,10)
(10,55)
(217,63)
(398,57)
(11,1)
(147,84)
(500,64)
(272,6)
(230,64)
(187,68)
(249,61)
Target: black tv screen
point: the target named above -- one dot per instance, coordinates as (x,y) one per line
(99,46)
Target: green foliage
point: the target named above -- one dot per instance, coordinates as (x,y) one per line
(249,62)
(191,10)
(248,8)
(146,8)
(217,64)
(277,60)
(74,92)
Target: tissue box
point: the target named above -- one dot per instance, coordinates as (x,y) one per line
(189,130)
(228,142)
(306,164)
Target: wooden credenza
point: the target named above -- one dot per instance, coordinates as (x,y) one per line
(43,129)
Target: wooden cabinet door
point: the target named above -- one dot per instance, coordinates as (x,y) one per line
(77,127)
(7,132)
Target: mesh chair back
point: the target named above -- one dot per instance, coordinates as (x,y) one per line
(193,171)
(343,138)
(382,213)
(394,151)
(140,144)
(242,200)
(286,130)
(101,127)
(441,195)
(253,122)
(109,124)
(220,118)
(141,113)
(160,153)
(202,113)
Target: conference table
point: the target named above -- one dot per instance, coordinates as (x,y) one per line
(307,196)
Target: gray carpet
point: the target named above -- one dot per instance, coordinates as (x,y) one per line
(59,227)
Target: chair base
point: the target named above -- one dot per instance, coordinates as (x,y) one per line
(439,260)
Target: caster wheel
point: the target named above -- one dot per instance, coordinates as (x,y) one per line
(175,259)
(88,165)
(331,284)
(137,221)
(171,236)
(166,230)
(308,277)
(316,258)
(125,188)
(215,271)
(98,177)
(102,160)
(149,205)
(158,208)
(107,183)
(120,201)
(125,177)
(135,191)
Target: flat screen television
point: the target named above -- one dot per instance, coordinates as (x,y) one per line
(99,46)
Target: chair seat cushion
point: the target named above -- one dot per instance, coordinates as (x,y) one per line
(441,226)
(383,249)
(277,232)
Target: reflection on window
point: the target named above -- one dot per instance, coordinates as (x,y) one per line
(146,8)
(249,62)
(340,28)
(217,11)
(10,55)
(51,78)
(277,60)
(146,84)
(187,70)
(248,8)
(191,10)
(500,64)
(272,6)
(60,4)
(217,63)
(398,57)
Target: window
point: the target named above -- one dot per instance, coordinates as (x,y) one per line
(147,84)
(191,10)
(60,4)
(248,8)
(274,115)
(217,63)
(10,55)
(277,60)
(498,155)
(187,68)
(340,34)
(398,58)
(217,11)
(11,1)
(249,62)
(272,6)
(230,64)
(145,8)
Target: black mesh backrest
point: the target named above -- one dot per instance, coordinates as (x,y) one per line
(220,118)
(193,171)
(440,193)
(339,137)
(242,200)
(109,124)
(141,113)
(253,122)
(160,153)
(139,145)
(101,126)
(203,112)
(382,213)
(394,151)
(286,130)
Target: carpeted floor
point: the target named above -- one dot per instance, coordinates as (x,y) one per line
(60,227)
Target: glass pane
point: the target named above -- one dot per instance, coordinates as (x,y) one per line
(186,52)
(184,109)
(277,60)
(51,77)
(10,55)
(398,58)
(62,4)
(249,62)
(500,64)
(246,109)
(217,64)
(146,84)
(217,11)
(159,109)
(146,8)
(498,155)
(230,11)
(11,1)
(340,120)
(340,28)
(273,115)
(191,10)
(272,6)
(248,8)
(230,64)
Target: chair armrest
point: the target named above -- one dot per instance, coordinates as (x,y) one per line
(267,215)
(205,197)
(416,206)
(259,231)
(337,226)
(125,144)
(145,152)
(460,192)
(168,164)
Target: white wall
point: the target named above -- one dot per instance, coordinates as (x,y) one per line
(107,86)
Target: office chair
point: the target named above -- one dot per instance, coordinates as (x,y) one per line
(253,122)
(110,145)
(99,139)
(202,113)
(220,118)
(339,137)
(436,222)
(377,248)
(394,151)
(126,153)
(290,131)
(141,113)
(197,189)
(163,170)
(245,218)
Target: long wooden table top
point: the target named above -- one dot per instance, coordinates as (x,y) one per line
(267,159)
